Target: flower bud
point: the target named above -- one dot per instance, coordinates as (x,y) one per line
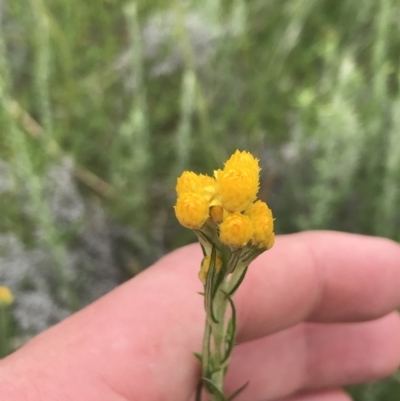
(262,221)
(192,210)
(236,230)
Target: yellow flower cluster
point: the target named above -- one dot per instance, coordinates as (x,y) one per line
(238,182)
(6,296)
(229,199)
(195,193)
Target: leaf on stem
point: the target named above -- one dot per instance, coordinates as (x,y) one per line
(231,332)
(226,269)
(210,282)
(203,249)
(214,389)
(234,260)
(237,284)
(204,240)
(237,392)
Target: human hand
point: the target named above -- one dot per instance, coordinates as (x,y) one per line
(316,312)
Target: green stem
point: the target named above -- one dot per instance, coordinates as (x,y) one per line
(218,335)
(4,340)
(215,353)
(206,349)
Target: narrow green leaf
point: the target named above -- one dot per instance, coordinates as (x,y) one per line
(198,356)
(229,329)
(208,298)
(203,249)
(220,278)
(213,366)
(247,256)
(206,357)
(200,293)
(214,389)
(208,283)
(226,269)
(204,241)
(237,392)
(214,319)
(231,340)
(237,284)
(233,260)
(203,236)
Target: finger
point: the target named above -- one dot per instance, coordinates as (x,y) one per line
(138,339)
(136,343)
(319,276)
(319,395)
(316,355)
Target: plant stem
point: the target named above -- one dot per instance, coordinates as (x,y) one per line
(4,339)
(214,354)
(206,349)
(218,334)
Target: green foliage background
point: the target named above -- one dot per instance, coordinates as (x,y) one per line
(135,92)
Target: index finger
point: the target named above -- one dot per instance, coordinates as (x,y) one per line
(319,277)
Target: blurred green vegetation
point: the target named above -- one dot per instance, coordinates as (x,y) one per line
(136,91)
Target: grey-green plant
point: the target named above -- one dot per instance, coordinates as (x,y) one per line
(132,92)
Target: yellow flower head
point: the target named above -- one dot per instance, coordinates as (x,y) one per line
(258,208)
(268,243)
(238,182)
(205,266)
(236,230)
(192,210)
(243,160)
(196,183)
(262,221)
(187,182)
(229,200)
(6,296)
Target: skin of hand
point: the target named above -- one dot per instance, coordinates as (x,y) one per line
(316,312)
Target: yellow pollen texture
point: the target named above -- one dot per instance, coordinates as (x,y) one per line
(237,189)
(244,160)
(238,182)
(187,182)
(262,229)
(258,208)
(196,183)
(236,230)
(262,221)
(191,210)
(268,244)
